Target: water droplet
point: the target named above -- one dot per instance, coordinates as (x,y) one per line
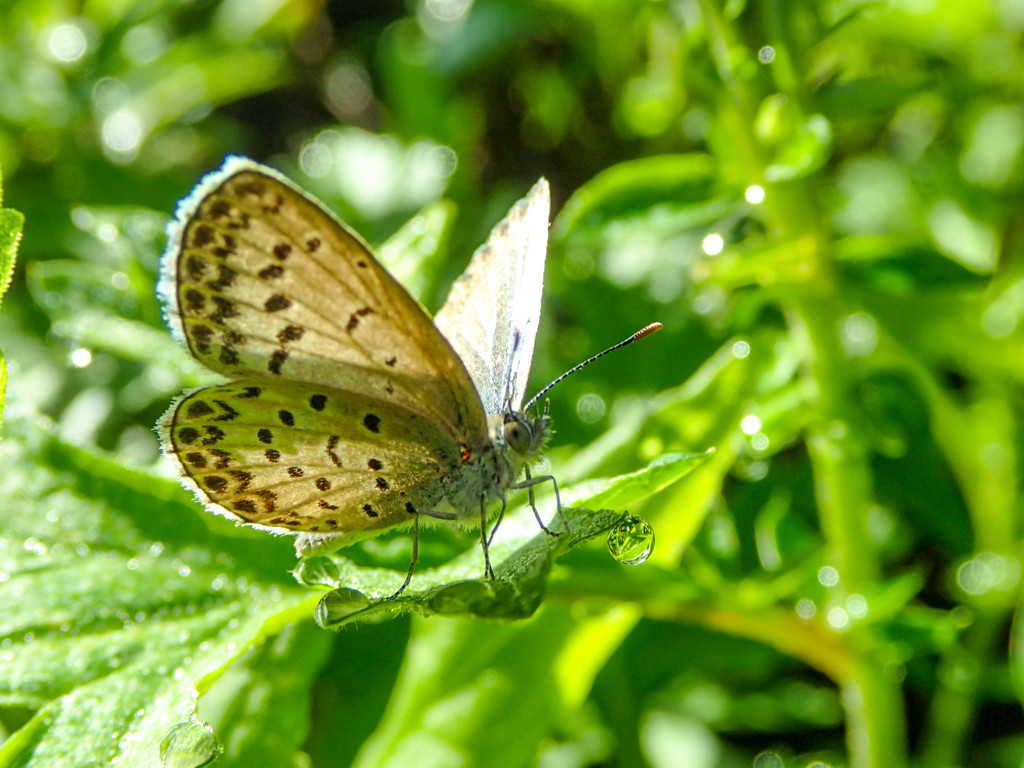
(828,576)
(318,572)
(713,244)
(754,194)
(337,605)
(768,760)
(631,541)
(838,619)
(189,745)
(806,609)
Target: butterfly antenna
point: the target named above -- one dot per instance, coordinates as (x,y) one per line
(647,330)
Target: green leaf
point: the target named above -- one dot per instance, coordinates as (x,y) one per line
(666,191)
(11,223)
(478,693)
(803,153)
(627,490)
(522,559)
(259,708)
(123,604)
(413,253)
(474,693)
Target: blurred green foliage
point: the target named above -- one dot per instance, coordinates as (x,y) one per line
(818,198)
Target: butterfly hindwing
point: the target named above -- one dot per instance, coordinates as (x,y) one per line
(261,280)
(493,309)
(295,458)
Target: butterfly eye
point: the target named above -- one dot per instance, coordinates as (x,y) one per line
(518,435)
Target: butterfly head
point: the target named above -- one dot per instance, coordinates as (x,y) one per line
(526,435)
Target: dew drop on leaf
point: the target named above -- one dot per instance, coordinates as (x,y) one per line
(337,605)
(318,572)
(189,745)
(631,541)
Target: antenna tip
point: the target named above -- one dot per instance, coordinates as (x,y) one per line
(647,330)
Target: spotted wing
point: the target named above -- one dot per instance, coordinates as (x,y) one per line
(260,280)
(295,458)
(493,310)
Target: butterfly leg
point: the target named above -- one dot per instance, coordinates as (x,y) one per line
(416,542)
(485,540)
(497,522)
(415,556)
(529,484)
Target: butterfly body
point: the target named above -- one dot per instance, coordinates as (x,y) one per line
(347,411)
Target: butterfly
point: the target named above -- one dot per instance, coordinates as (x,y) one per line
(347,411)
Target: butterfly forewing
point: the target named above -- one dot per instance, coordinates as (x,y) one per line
(261,281)
(493,310)
(288,456)
(347,411)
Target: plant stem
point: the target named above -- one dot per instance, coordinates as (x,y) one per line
(838,454)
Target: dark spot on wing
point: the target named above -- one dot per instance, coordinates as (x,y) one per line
(295,472)
(227,412)
(216,483)
(286,418)
(219,209)
(272,455)
(290,333)
(243,478)
(202,335)
(228,355)
(213,435)
(276,303)
(372,422)
(188,435)
(323,484)
(194,300)
(269,499)
(226,275)
(253,188)
(382,484)
(245,505)
(318,402)
(332,443)
(272,272)
(353,319)
(375,465)
(282,251)
(197,409)
(265,436)
(370,511)
(195,267)
(250,392)
(196,459)
(276,361)
(224,458)
(202,235)
(225,309)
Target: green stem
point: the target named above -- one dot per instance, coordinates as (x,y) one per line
(838,454)
(954,705)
